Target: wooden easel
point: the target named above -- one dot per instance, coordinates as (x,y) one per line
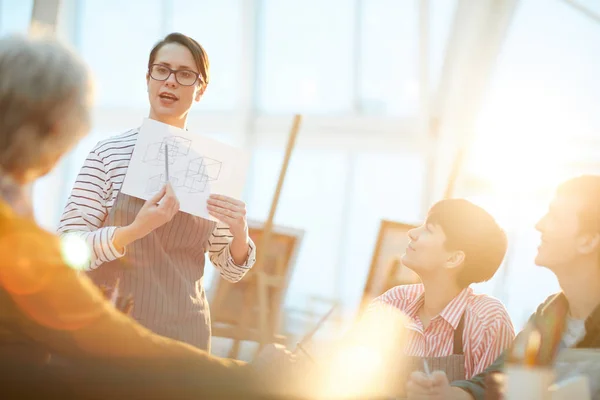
(44,17)
(261,280)
(264,281)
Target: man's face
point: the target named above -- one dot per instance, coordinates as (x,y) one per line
(426,251)
(562,241)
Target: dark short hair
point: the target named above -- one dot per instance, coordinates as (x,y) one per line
(472,230)
(587,189)
(198,52)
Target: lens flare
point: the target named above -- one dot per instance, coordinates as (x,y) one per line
(75,252)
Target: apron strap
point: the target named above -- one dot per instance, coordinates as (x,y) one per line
(458,336)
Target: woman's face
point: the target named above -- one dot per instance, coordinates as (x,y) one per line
(170,101)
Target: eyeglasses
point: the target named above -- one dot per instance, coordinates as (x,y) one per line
(184,77)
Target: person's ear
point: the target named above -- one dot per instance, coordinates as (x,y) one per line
(589,243)
(455,259)
(200,92)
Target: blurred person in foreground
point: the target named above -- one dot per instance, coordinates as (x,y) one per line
(570,248)
(450,327)
(47,307)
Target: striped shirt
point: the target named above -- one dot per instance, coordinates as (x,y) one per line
(488,329)
(94,193)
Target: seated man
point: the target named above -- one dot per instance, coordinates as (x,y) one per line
(452,328)
(570,248)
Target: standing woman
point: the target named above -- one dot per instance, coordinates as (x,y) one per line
(156,252)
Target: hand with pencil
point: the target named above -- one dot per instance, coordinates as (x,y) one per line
(428,385)
(156,211)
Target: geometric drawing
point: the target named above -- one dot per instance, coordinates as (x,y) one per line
(158,181)
(155,152)
(191,184)
(178,146)
(205,166)
(198,175)
(195,178)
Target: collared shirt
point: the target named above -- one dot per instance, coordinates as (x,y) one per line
(574,331)
(488,329)
(94,193)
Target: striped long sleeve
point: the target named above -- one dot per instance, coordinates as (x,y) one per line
(220,254)
(87,208)
(94,193)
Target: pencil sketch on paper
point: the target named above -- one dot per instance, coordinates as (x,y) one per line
(196,166)
(195,178)
(177,145)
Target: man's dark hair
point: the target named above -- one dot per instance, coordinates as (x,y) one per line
(200,56)
(472,230)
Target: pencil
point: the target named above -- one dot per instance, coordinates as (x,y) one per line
(426,367)
(166,163)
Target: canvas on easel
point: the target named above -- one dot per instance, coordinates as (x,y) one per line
(386,269)
(234,306)
(268,279)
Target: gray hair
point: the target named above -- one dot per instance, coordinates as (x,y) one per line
(43,84)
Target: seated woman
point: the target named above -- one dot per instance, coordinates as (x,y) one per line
(46,306)
(451,328)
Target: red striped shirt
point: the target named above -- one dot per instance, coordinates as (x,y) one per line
(488,329)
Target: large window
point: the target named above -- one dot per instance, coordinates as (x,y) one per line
(312,199)
(388,57)
(338,198)
(538,125)
(218,26)
(383,186)
(305,59)
(15,16)
(389,53)
(115,38)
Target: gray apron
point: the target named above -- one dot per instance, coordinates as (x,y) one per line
(164,273)
(453,365)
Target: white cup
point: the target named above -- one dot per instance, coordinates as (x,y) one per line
(528,382)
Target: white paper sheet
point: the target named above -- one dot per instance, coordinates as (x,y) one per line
(198,167)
